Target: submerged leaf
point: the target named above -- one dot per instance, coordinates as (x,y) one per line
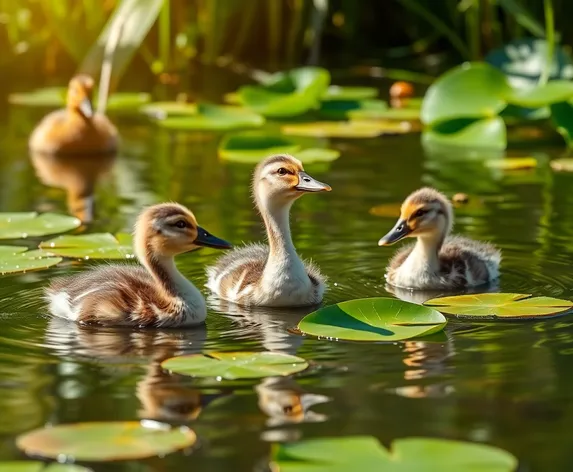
(373,319)
(30,224)
(236,365)
(106,441)
(502,306)
(91,246)
(366,454)
(214,118)
(345,129)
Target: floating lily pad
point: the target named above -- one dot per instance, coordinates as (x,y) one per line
(564,164)
(214,118)
(126,101)
(91,246)
(537,97)
(287,93)
(161,110)
(236,365)
(502,306)
(106,441)
(337,92)
(14,259)
(314,155)
(341,109)
(481,134)
(373,319)
(366,454)
(514,163)
(475,90)
(30,224)
(392,114)
(345,129)
(37,466)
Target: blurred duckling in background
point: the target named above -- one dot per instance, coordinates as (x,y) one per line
(272,275)
(285,402)
(77,129)
(155,295)
(436,261)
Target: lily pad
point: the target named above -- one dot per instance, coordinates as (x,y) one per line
(106,441)
(214,118)
(337,92)
(474,90)
(481,134)
(161,110)
(373,319)
(366,454)
(37,466)
(500,306)
(514,163)
(537,97)
(15,259)
(392,114)
(564,164)
(30,224)
(314,155)
(562,117)
(289,93)
(236,365)
(345,129)
(91,246)
(341,109)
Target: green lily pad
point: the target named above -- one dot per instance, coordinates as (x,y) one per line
(474,90)
(30,224)
(91,246)
(481,134)
(289,93)
(161,110)
(236,365)
(392,114)
(345,129)
(314,155)
(106,441)
(337,92)
(252,146)
(513,163)
(214,118)
(366,454)
(537,97)
(341,109)
(37,466)
(373,319)
(15,259)
(127,101)
(562,117)
(500,306)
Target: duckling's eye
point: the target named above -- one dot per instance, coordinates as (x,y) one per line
(282,171)
(420,213)
(181,224)
(287,410)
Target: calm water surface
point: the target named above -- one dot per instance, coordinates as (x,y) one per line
(510,385)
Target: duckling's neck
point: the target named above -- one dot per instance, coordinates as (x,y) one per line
(425,255)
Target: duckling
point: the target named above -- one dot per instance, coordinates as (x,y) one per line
(436,261)
(272,275)
(155,295)
(76,129)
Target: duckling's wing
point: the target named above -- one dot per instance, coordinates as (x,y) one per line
(481,259)
(237,269)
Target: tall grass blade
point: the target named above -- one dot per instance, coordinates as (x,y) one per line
(523,16)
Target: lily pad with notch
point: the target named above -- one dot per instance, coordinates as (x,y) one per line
(500,306)
(373,319)
(31,224)
(16,259)
(366,454)
(91,246)
(106,441)
(236,365)
(37,466)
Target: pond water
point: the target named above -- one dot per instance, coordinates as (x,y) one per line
(510,385)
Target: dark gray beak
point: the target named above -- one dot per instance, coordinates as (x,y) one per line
(307,184)
(398,232)
(206,239)
(87,108)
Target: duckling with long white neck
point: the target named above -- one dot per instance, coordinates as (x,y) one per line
(155,295)
(272,275)
(436,261)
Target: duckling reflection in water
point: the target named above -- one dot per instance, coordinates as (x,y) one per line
(77,174)
(436,261)
(285,402)
(155,295)
(77,129)
(272,275)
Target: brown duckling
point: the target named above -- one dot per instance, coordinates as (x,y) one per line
(436,261)
(272,275)
(155,295)
(77,129)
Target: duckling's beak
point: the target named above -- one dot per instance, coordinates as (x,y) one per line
(87,108)
(398,232)
(206,239)
(307,184)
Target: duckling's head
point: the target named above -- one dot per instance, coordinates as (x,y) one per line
(80,91)
(282,179)
(426,213)
(168,229)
